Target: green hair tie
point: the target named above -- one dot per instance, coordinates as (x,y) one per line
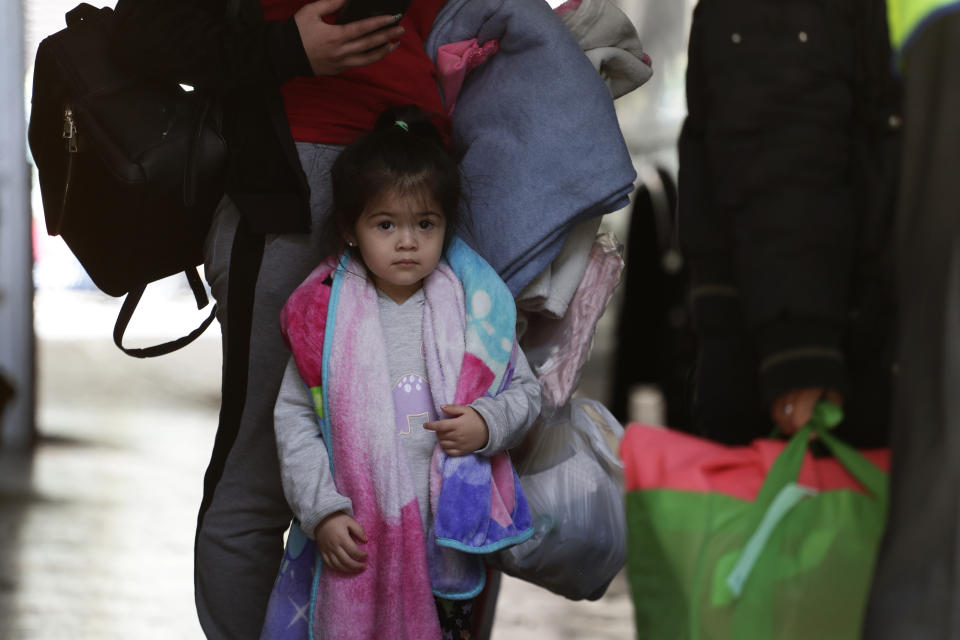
(403,125)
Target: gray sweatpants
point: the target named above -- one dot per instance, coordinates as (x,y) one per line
(243,515)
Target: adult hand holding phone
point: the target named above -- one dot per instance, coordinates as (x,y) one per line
(332,48)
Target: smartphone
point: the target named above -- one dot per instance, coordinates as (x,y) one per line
(355,10)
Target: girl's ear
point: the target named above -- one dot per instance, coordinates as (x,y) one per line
(349,238)
(338,226)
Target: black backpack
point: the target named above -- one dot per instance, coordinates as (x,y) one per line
(130,168)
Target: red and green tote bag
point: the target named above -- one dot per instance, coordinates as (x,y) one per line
(761,542)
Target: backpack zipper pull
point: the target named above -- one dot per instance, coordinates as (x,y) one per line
(70,130)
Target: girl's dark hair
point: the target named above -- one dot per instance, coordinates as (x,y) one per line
(404,151)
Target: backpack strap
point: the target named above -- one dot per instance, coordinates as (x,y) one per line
(130,304)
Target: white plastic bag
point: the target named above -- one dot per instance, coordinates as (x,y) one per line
(573,482)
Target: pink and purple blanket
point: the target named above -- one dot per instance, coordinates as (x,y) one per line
(331,324)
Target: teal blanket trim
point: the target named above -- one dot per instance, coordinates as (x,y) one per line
(469,595)
(325,421)
(493,547)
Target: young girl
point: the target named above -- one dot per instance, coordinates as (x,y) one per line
(404,352)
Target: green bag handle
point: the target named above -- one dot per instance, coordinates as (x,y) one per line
(786,468)
(780,491)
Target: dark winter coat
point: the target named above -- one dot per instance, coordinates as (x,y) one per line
(787,175)
(244,60)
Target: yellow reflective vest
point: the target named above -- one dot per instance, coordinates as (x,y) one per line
(905,17)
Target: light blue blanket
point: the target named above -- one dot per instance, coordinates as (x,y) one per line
(540,142)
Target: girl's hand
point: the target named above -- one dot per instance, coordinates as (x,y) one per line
(464,433)
(332,48)
(793,409)
(337,536)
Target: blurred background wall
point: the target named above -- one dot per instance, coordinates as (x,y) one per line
(16,289)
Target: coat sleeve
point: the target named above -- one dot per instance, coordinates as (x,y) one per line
(768,146)
(197,44)
(304,465)
(510,413)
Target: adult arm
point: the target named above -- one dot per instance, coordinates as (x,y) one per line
(304,465)
(198,44)
(776,135)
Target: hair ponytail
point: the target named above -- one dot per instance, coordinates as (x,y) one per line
(408,120)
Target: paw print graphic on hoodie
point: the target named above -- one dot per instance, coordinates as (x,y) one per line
(412,403)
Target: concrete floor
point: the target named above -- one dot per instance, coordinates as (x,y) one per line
(96,528)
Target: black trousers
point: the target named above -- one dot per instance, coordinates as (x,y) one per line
(916,591)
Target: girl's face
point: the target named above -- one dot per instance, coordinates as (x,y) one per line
(400,237)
